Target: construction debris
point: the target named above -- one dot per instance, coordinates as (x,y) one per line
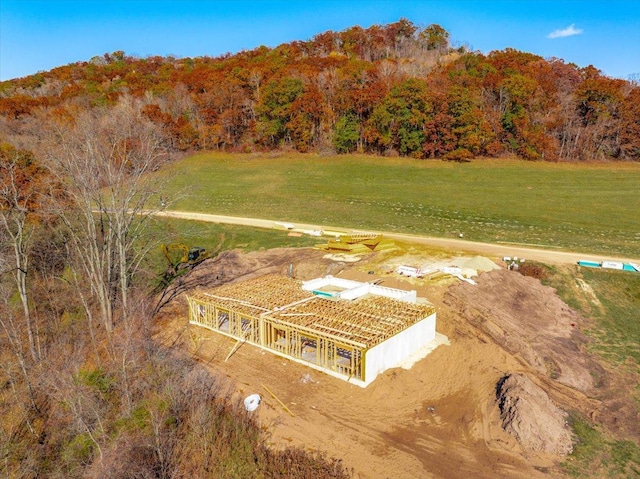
(462,268)
(252,402)
(277,399)
(618,265)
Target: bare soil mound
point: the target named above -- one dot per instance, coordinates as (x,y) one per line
(478,263)
(529,320)
(530,416)
(235,265)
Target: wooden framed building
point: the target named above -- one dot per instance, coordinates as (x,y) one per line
(347,329)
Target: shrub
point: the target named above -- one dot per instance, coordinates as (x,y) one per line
(459,154)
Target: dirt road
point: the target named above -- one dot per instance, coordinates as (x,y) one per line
(519,250)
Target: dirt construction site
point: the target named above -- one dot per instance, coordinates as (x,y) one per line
(489,402)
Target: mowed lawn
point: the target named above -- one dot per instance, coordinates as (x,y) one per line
(592,208)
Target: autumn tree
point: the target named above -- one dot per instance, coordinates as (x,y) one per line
(630,126)
(106,159)
(435,37)
(295,94)
(398,123)
(23,335)
(305,123)
(598,103)
(358,90)
(469,127)
(275,110)
(347,134)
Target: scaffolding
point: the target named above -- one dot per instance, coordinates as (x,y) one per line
(325,332)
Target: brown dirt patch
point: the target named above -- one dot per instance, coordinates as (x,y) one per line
(531,321)
(440,419)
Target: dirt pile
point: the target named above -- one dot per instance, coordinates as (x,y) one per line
(529,320)
(529,415)
(478,263)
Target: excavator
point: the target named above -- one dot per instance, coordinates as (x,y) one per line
(182,258)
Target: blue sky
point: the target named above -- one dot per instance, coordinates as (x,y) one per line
(37,35)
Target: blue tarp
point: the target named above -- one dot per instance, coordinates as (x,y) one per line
(590,264)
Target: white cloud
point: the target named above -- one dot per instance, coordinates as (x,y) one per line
(570,31)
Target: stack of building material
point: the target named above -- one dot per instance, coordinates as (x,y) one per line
(358,243)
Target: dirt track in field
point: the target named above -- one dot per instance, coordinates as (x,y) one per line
(499,250)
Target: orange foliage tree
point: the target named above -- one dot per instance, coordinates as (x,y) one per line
(322,93)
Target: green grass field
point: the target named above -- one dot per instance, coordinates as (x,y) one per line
(596,455)
(212,236)
(617,325)
(590,208)
(612,304)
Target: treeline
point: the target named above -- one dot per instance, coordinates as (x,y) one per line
(395,89)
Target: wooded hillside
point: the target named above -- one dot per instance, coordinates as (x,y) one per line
(395,89)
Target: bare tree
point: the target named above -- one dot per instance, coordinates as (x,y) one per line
(19,182)
(106,159)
